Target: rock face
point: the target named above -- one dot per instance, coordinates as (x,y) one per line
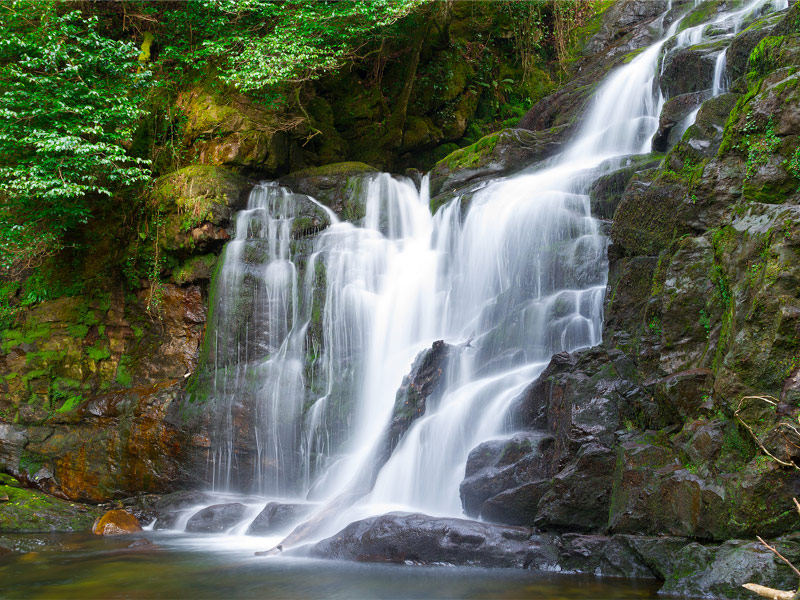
(116,522)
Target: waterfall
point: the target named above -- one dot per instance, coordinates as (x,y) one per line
(314,333)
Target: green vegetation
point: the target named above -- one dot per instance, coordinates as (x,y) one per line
(70,100)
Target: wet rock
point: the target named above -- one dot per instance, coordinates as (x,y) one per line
(675,111)
(647,218)
(422,383)
(686,71)
(168,508)
(27,510)
(496,466)
(420,539)
(116,522)
(700,571)
(141,543)
(216,518)
(337,186)
(606,191)
(579,495)
(277,516)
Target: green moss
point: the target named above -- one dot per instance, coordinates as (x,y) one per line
(123,376)
(335,169)
(98,352)
(762,59)
(472,155)
(32,511)
(29,334)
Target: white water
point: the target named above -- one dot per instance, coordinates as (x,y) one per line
(521,277)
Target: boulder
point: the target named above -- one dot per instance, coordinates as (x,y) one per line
(420,539)
(216,518)
(675,112)
(116,522)
(277,516)
(688,70)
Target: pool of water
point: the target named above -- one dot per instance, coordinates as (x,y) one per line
(181,566)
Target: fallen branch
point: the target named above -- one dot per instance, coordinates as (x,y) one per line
(774,402)
(768,592)
(779,555)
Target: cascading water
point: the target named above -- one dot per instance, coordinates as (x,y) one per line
(510,276)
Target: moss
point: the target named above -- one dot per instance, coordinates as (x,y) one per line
(32,511)
(335,169)
(196,268)
(123,376)
(472,155)
(762,58)
(29,334)
(98,352)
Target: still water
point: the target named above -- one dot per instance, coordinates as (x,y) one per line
(176,566)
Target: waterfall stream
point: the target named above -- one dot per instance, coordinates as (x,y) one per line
(315,333)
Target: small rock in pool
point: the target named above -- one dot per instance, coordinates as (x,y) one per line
(116,522)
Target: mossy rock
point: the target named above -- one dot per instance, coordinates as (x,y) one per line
(201,192)
(338,186)
(28,510)
(496,154)
(195,269)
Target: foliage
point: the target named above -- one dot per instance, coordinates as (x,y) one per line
(257,44)
(70,100)
(758,146)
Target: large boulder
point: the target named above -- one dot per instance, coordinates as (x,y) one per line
(116,522)
(277,516)
(420,539)
(216,518)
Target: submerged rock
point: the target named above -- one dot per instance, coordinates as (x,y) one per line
(116,522)
(216,518)
(277,516)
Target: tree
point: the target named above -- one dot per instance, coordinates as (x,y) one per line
(70,100)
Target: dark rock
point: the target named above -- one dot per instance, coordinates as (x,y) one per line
(178,501)
(422,383)
(277,516)
(701,571)
(688,70)
(580,495)
(676,110)
(499,465)
(606,191)
(647,218)
(216,518)
(337,186)
(420,539)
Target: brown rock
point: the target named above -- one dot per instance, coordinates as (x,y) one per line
(116,522)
